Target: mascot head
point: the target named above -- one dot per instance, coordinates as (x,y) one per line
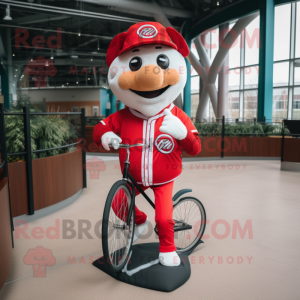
(147,70)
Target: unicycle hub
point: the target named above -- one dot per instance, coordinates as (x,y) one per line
(123,227)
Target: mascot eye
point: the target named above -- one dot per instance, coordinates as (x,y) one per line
(163,61)
(135,63)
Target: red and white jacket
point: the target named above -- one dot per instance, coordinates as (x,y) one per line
(161,163)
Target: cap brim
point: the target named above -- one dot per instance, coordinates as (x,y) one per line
(148,43)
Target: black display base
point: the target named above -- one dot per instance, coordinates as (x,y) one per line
(144,270)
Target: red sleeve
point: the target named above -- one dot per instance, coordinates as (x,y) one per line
(111,123)
(191,144)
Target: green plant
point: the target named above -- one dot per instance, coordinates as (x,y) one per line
(71,149)
(47,131)
(240,129)
(205,129)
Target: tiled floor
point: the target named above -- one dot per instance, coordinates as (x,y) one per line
(263,266)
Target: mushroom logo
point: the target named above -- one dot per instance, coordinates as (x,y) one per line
(39,258)
(95,165)
(40,68)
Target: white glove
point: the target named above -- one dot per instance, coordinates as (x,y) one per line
(173,126)
(110,138)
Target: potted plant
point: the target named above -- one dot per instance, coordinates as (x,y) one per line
(48,131)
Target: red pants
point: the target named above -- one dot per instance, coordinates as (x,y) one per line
(163,215)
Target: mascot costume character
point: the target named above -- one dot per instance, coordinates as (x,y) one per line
(147,72)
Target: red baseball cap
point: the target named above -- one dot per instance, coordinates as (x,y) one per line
(146,33)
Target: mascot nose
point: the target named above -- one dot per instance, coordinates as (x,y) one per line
(149,77)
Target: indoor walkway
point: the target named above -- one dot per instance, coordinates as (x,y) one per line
(262,265)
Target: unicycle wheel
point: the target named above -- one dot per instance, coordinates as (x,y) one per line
(117,229)
(190,220)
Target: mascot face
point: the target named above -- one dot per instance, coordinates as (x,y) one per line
(147,70)
(148,78)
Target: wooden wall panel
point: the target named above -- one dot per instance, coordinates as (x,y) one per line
(56,178)
(210,147)
(253,147)
(291,150)
(6,250)
(18,188)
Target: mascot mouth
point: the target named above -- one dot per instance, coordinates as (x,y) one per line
(150,94)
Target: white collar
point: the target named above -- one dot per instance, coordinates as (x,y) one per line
(139,115)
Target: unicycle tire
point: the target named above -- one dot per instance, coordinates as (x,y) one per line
(117,232)
(191,211)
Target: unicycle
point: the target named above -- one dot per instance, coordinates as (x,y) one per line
(119,219)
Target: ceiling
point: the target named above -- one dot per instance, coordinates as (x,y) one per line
(87,27)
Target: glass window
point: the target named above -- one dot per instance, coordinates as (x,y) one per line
(248,49)
(205,40)
(297,54)
(235,52)
(296,103)
(252,43)
(234,79)
(195,84)
(297,75)
(282,32)
(194,105)
(214,43)
(211,111)
(281,74)
(251,77)
(233,105)
(280,103)
(194,72)
(250,104)
(95,111)
(194,50)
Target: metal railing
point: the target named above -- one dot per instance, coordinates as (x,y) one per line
(28,151)
(225,127)
(281,129)
(231,120)
(2,164)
